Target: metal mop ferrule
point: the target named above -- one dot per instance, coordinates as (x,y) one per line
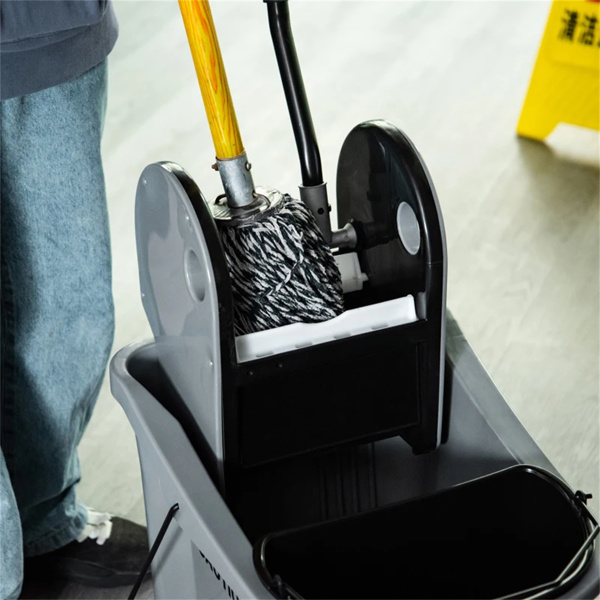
(242,202)
(237,181)
(265,202)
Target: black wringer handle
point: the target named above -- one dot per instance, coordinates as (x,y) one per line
(313,191)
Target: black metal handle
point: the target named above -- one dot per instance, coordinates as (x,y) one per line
(295,94)
(155,546)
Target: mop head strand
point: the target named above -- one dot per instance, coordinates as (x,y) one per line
(282,271)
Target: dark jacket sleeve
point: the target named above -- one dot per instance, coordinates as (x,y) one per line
(23,20)
(49,42)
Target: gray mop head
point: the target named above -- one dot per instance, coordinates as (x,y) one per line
(282,270)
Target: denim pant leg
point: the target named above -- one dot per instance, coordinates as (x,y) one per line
(11,552)
(56,298)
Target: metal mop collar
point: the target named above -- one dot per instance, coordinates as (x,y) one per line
(282,271)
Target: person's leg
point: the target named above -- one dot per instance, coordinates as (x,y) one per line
(11,540)
(11,548)
(56,249)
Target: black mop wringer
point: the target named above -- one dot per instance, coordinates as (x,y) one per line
(281,266)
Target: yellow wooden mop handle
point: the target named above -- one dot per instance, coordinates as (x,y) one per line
(208,61)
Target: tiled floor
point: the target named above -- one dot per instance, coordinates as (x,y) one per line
(521,217)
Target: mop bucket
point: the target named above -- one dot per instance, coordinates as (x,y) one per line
(317,442)
(467,521)
(513,534)
(369,512)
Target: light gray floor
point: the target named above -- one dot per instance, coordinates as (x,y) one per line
(521,217)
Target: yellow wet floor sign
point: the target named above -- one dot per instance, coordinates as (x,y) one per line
(565,85)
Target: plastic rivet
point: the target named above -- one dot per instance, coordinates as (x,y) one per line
(408,228)
(194,276)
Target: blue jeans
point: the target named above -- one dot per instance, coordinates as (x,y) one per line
(57,311)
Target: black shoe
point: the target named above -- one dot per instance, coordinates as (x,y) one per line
(111,553)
